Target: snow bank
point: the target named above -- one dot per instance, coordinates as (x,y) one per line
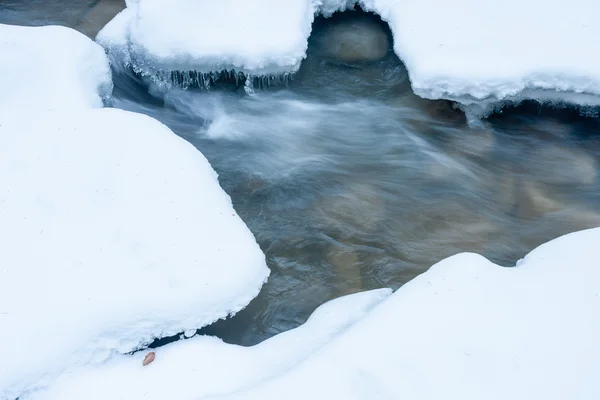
(326,8)
(477,53)
(205,366)
(480,53)
(51,67)
(466,329)
(113,231)
(267,37)
(114,37)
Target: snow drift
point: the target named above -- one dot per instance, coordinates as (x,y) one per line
(466,329)
(480,54)
(113,230)
(254,38)
(51,67)
(205,366)
(106,243)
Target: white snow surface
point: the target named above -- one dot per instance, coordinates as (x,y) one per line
(115,38)
(478,53)
(113,231)
(259,37)
(465,329)
(205,366)
(51,67)
(469,329)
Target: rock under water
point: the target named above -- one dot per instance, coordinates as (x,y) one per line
(356,40)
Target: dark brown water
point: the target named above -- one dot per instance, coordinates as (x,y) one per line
(350,182)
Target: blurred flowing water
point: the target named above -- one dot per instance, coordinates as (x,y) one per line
(351,182)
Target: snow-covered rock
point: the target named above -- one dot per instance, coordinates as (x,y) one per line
(51,67)
(466,329)
(328,7)
(113,231)
(478,53)
(114,37)
(262,38)
(482,53)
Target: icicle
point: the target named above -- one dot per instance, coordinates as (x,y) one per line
(249,86)
(204,80)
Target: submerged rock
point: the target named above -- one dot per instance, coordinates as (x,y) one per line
(479,141)
(443,228)
(557,164)
(537,199)
(355,40)
(346,265)
(358,208)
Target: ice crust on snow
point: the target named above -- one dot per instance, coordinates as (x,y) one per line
(465,329)
(477,53)
(51,67)
(113,230)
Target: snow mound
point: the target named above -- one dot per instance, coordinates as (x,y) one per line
(466,329)
(469,329)
(258,38)
(482,55)
(205,366)
(113,231)
(479,53)
(469,51)
(51,67)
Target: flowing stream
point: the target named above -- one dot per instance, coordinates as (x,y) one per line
(349,181)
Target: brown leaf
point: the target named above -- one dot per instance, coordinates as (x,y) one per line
(149,358)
